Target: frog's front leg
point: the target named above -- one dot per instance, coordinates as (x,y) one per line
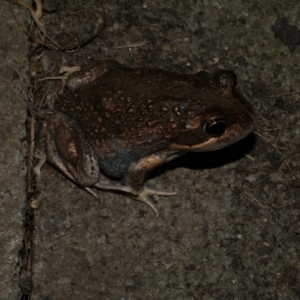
(137,171)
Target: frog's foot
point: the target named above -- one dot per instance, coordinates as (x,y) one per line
(42,159)
(142,195)
(146,192)
(104,185)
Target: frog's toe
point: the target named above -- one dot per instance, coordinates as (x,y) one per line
(104,185)
(146,192)
(89,190)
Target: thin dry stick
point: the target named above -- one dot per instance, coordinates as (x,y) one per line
(30,156)
(280,128)
(36,15)
(274,146)
(39,8)
(138,44)
(291,154)
(252,199)
(293,173)
(260,181)
(294,187)
(42,102)
(264,119)
(244,95)
(52,78)
(283,95)
(277,137)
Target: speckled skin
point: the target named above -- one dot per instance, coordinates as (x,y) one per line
(129,121)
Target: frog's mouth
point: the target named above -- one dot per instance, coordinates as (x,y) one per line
(231,136)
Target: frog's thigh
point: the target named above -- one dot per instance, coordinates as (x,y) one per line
(89,73)
(68,149)
(137,171)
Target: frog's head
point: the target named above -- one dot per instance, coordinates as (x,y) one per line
(218,119)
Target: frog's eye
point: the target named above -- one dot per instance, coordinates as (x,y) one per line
(214,128)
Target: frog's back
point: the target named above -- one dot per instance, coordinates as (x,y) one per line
(148,103)
(129,113)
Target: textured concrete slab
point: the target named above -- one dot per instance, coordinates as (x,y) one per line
(13,82)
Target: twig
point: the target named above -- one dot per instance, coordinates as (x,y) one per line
(36,15)
(291,154)
(51,78)
(260,181)
(274,146)
(138,44)
(283,95)
(30,156)
(252,199)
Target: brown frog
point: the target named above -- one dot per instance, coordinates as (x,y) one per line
(127,121)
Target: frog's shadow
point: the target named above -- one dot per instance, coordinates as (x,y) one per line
(211,159)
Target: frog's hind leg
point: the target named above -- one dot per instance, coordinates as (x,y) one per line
(68,149)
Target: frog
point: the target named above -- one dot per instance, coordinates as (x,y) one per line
(115,121)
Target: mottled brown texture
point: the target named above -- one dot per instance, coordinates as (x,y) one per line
(131,120)
(144,110)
